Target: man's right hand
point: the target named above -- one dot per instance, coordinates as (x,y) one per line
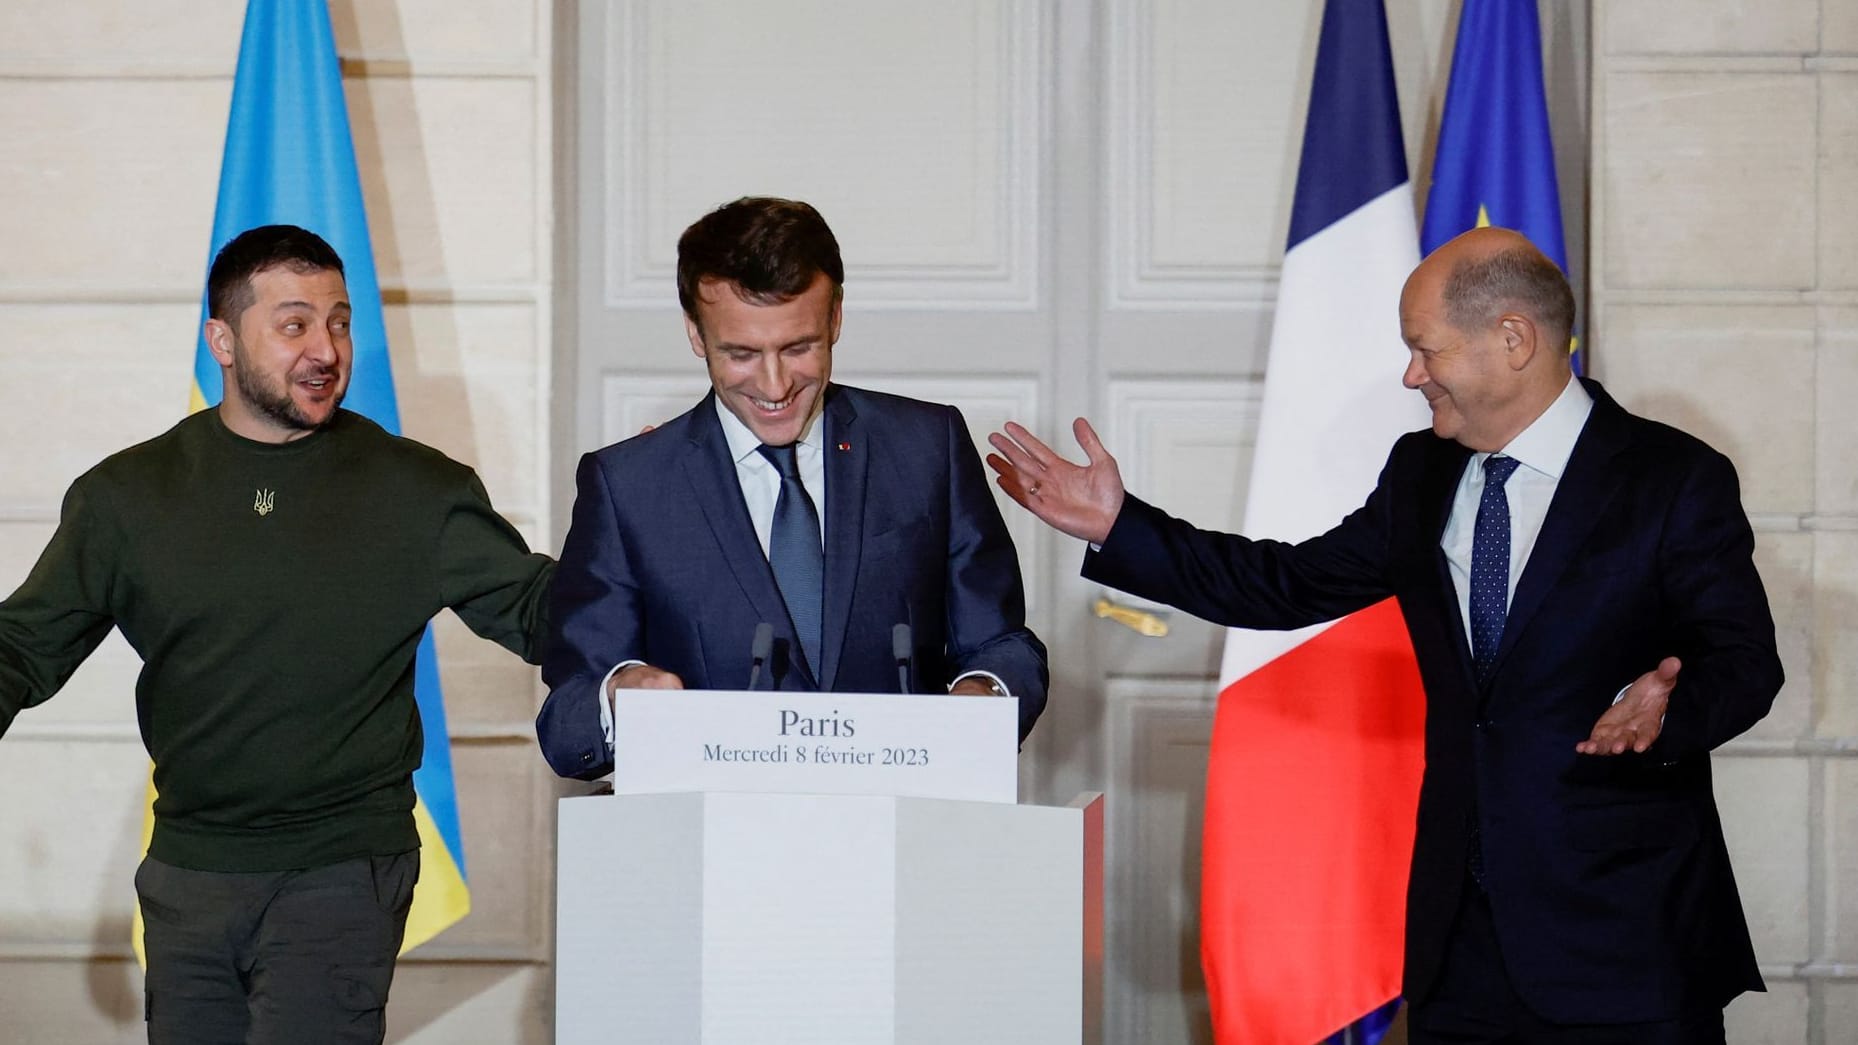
(642,676)
(1081,500)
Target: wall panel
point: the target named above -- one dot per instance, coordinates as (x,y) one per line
(1709,181)
(926,165)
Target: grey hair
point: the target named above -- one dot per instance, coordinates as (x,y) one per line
(1514,279)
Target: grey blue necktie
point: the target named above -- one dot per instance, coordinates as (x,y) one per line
(1490,566)
(794,551)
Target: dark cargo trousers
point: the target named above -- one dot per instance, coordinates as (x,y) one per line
(274,957)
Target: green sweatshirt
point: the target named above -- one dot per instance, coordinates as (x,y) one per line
(276,594)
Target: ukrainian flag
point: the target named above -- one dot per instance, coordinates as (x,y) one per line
(289,159)
(1495,163)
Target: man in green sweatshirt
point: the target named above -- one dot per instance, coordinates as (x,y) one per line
(274,561)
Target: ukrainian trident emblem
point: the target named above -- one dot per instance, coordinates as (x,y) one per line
(261,503)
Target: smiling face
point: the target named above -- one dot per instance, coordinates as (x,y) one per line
(287,362)
(1463,374)
(1480,350)
(769,363)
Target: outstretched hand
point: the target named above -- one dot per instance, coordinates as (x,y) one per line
(1081,500)
(1638,716)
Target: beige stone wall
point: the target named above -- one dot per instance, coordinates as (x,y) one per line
(112,118)
(1724,287)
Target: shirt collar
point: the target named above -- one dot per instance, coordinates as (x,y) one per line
(1548,442)
(743,443)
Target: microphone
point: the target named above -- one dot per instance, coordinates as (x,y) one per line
(758,651)
(900,649)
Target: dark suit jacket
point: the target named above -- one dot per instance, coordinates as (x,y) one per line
(661,564)
(1608,878)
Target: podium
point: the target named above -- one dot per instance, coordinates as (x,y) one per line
(714,916)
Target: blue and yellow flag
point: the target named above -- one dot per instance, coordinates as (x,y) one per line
(1496,161)
(289,159)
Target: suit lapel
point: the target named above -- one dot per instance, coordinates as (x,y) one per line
(1438,489)
(848,454)
(1581,497)
(712,476)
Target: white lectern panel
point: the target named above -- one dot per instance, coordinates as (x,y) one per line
(960,864)
(803,949)
(626,875)
(728,919)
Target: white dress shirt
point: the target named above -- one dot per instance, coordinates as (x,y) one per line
(761,481)
(1541,452)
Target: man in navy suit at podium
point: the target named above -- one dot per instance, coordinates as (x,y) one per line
(831,514)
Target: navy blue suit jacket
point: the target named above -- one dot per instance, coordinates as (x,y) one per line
(1608,878)
(661,564)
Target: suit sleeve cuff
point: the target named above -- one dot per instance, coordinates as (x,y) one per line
(606,703)
(1621,695)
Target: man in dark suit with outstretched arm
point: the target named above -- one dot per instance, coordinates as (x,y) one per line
(831,514)
(1579,587)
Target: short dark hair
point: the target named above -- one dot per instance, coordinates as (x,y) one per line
(1517,278)
(771,249)
(229,281)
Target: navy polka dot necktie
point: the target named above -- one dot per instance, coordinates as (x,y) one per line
(1490,565)
(794,551)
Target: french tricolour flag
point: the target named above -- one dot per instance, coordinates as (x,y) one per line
(1316,750)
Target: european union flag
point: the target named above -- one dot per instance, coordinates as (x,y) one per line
(290,159)
(1496,161)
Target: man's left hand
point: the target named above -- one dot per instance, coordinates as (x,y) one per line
(1637,718)
(972,686)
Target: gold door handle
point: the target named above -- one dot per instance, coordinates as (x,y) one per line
(1143,622)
